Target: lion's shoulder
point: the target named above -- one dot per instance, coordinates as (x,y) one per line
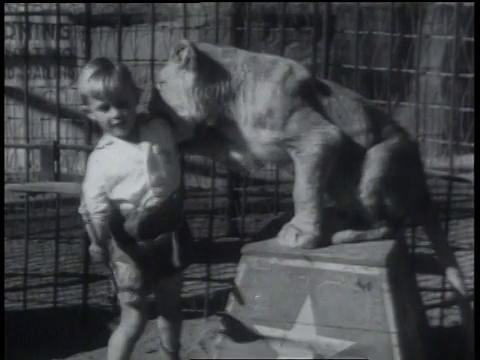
(256,67)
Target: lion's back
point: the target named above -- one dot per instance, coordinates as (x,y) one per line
(364,123)
(254,67)
(267,89)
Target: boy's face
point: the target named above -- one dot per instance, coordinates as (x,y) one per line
(115,114)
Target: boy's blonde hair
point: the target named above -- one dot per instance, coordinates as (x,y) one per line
(101,78)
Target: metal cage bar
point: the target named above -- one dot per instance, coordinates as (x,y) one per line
(417,113)
(248,25)
(119,31)
(211,220)
(417,72)
(283,40)
(56,156)
(453,115)
(315,37)
(152,45)
(247,44)
(211,217)
(185,34)
(390,56)
(357,46)
(217,22)
(27,158)
(85,239)
(236,22)
(326,42)
(185,20)
(88,56)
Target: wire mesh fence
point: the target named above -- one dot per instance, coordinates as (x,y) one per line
(414,60)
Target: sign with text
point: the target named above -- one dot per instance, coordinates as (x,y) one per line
(45,49)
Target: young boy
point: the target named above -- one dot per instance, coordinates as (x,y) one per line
(132,207)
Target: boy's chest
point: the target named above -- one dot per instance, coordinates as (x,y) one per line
(137,160)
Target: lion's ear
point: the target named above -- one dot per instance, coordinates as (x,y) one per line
(185,54)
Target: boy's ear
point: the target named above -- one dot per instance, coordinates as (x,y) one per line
(87,112)
(185,54)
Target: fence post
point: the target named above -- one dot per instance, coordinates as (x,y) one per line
(233,181)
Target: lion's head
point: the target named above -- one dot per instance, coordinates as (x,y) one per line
(192,86)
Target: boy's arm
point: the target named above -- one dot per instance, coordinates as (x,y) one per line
(95,207)
(207,142)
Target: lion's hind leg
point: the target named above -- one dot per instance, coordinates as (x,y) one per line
(379,201)
(381,232)
(393,188)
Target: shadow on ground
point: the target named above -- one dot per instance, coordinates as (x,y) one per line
(447,343)
(45,334)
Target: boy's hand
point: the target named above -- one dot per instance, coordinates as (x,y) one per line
(97,253)
(131,224)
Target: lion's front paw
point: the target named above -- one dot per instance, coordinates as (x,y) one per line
(344,237)
(296,236)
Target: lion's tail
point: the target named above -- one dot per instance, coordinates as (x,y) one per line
(355,236)
(446,257)
(437,236)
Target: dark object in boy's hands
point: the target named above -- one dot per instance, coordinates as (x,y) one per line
(148,223)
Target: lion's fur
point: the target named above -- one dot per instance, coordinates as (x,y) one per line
(271,109)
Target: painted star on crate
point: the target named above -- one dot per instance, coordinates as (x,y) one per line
(301,341)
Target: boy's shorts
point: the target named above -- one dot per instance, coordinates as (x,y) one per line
(139,257)
(138,271)
(138,267)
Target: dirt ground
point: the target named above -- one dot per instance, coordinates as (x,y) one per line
(197,341)
(46,335)
(65,335)
(73,332)
(43,333)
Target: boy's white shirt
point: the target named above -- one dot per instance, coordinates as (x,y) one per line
(129,175)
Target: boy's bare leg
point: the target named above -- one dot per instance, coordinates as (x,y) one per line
(169,320)
(133,319)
